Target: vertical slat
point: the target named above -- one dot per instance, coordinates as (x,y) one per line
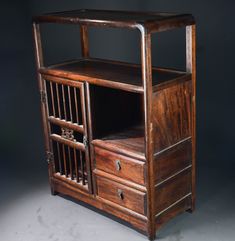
(90,135)
(86,154)
(52,98)
(58,100)
(65,162)
(146,67)
(76,105)
(76,164)
(64,103)
(70,105)
(59,157)
(191,68)
(84,41)
(70,164)
(82,168)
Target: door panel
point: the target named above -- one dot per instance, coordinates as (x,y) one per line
(68,131)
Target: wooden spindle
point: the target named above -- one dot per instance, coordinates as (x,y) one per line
(82,168)
(52,98)
(64,103)
(70,164)
(70,105)
(59,157)
(76,164)
(58,100)
(76,105)
(65,164)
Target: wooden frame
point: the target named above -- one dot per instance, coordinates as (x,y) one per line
(179,149)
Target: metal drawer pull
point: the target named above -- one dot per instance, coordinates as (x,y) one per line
(120,194)
(118,165)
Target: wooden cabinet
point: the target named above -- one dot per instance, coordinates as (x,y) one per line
(121,136)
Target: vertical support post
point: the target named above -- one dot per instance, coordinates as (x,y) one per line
(89,155)
(90,135)
(84,41)
(44,107)
(146,66)
(191,68)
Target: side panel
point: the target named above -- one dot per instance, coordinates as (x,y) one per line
(171,115)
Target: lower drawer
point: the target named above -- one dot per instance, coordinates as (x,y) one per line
(122,195)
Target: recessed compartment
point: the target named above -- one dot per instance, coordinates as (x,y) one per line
(115,125)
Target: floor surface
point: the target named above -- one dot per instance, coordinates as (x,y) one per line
(29,213)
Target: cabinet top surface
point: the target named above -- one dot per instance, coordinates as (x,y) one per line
(117,18)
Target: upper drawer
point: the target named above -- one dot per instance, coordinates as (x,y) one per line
(120,165)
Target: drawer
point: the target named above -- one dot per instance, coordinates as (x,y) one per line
(119,165)
(122,195)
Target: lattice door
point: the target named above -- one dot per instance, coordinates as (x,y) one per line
(68,130)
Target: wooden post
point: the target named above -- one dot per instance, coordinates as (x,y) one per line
(84,41)
(44,107)
(147,84)
(191,68)
(90,154)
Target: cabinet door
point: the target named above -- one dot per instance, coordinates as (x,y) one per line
(66,113)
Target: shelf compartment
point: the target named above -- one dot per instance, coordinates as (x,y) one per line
(114,74)
(129,142)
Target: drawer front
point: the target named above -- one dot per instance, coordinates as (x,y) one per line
(122,195)
(120,165)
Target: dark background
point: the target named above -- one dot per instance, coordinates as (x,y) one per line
(21,142)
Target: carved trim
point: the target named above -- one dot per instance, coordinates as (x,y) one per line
(67,134)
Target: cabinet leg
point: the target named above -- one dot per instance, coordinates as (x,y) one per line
(53,192)
(192,209)
(152,237)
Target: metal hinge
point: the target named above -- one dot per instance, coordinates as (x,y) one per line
(43,96)
(50,157)
(85,141)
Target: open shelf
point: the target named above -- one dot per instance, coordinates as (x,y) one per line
(129,142)
(114,74)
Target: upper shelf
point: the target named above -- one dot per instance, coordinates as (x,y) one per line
(153,21)
(114,74)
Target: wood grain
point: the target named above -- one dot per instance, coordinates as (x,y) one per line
(172,161)
(172,190)
(172,118)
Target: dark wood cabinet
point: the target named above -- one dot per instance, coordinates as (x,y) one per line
(121,136)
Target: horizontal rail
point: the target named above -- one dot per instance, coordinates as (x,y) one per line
(73,144)
(68,124)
